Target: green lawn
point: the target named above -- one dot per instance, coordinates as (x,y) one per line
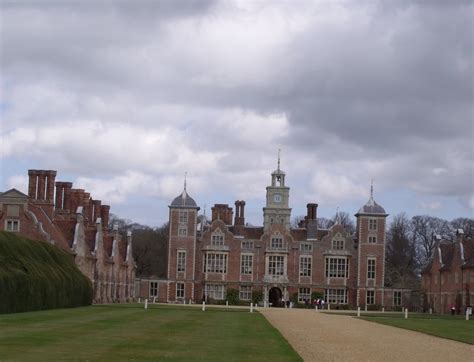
(445,326)
(129,332)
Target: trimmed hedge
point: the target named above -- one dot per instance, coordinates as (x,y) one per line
(35,275)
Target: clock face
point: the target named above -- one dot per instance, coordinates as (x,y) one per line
(277,198)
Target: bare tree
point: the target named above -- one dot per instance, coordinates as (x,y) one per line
(464,223)
(424,230)
(324,223)
(401,259)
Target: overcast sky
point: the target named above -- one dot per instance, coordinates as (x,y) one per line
(123,97)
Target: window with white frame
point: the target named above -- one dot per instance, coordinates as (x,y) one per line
(182,230)
(179,290)
(306,247)
(397,298)
(247,245)
(183,217)
(372,239)
(181,262)
(371,268)
(372,224)
(338,243)
(337,267)
(245,292)
(214,291)
(305,266)
(215,263)
(370,297)
(276,265)
(153,289)
(246,263)
(12,225)
(304,294)
(336,296)
(217,238)
(277,242)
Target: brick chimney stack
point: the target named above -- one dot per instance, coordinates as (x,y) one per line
(104,214)
(96,205)
(239,213)
(63,195)
(50,177)
(223,212)
(312,220)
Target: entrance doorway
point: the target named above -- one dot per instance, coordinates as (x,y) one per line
(274,297)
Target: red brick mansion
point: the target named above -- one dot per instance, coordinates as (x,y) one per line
(70,219)
(207,258)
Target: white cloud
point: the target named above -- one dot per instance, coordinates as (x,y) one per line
(18,182)
(431,206)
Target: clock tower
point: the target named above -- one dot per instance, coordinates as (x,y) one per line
(276,210)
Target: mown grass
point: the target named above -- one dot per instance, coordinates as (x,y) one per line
(129,332)
(445,326)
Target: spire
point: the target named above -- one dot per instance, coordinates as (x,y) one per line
(185,174)
(279,150)
(371,188)
(338,217)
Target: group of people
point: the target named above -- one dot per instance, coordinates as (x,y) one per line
(319,303)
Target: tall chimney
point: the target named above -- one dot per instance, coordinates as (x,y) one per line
(239,213)
(41,192)
(104,214)
(32,183)
(96,210)
(50,177)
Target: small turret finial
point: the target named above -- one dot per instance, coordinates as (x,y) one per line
(338,218)
(279,150)
(372,188)
(185,174)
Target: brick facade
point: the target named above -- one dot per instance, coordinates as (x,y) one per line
(448,280)
(275,259)
(70,219)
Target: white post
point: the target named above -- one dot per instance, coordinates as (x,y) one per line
(431,310)
(265,304)
(139,300)
(358,311)
(383,309)
(226,303)
(184,301)
(366,307)
(467,314)
(329,306)
(251,307)
(406,313)
(203,306)
(189,300)
(146,303)
(154,300)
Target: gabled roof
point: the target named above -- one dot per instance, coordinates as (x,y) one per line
(13,193)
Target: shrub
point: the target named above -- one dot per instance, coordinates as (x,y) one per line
(35,275)
(257,296)
(232,296)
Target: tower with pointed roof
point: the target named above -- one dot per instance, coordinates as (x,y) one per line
(371,235)
(277,210)
(183,212)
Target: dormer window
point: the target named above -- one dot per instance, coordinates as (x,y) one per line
(217,238)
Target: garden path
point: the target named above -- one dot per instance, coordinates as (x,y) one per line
(318,336)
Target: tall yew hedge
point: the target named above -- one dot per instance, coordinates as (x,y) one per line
(35,275)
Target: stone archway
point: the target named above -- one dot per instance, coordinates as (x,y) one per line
(275,297)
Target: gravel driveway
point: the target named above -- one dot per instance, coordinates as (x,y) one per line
(323,337)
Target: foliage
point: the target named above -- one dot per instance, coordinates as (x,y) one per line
(162,332)
(294,298)
(257,296)
(35,275)
(316,295)
(232,296)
